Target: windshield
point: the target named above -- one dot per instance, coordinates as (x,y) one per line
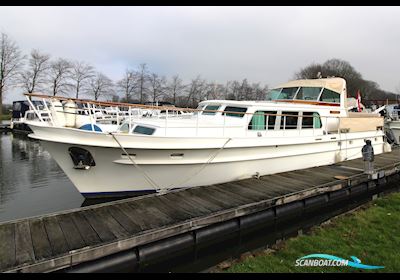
(273,94)
(282,93)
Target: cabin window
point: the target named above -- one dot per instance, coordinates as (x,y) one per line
(261,118)
(308,93)
(17,106)
(124,128)
(199,107)
(143,130)
(291,120)
(330,96)
(231,111)
(273,94)
(210,108)
(310,120)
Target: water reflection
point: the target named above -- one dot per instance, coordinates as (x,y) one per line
(31,183)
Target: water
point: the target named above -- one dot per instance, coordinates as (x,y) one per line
(31,183)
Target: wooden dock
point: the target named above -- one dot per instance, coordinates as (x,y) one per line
(64,239)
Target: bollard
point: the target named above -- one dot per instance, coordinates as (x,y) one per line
(368,157)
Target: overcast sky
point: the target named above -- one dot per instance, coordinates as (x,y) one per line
(263,44)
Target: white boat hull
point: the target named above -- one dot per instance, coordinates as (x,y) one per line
(395,127)
(115,174)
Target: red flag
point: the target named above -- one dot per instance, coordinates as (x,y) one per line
(359,101)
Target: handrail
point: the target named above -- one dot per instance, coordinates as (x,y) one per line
(169,108)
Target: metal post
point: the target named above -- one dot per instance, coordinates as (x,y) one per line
(48,111)
(90,116)
(368,157)
(130,120)
(166,121)
(197,123)
(223,129)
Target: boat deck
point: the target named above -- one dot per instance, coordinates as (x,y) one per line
(59,240)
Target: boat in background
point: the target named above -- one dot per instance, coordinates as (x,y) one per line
(301,124)
(392,122)
(22,110)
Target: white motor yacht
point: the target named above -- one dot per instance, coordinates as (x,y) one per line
(301,124)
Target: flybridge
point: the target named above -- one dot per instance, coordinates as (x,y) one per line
(323,92)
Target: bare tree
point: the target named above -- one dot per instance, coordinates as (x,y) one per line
(101,85)
(81,73)
(157,86)
(59,76)
(233,90)
(10,64)
(195,91)
(175,88)
(142,80)
(127,85)
(34,76)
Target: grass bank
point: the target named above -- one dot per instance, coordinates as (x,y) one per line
(371,233)
(5,117)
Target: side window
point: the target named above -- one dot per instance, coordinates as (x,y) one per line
(210,108)
(330,96)
(143,130)
(234,111)
(257,121)
(310,119)
(291,120)
(263,119)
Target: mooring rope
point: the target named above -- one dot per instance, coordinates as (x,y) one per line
(203,166)
(147,177)
(154,184)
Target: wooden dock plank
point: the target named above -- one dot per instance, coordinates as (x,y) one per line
(186,206)
(337,170)
(104,215)
(7,246)
(314,180)
(88,234)
(56,236)
(153,208)
(155,217)
(40,241)
(124,220)
(175,211)
(331,178)
(216,199)
(136,217)
(285,183)
(258,185)
(282,184)
(71,232)
(213,207)
(240,188)
(222,194)
(23,244)
(229,194)
(389,156)
(99,226)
